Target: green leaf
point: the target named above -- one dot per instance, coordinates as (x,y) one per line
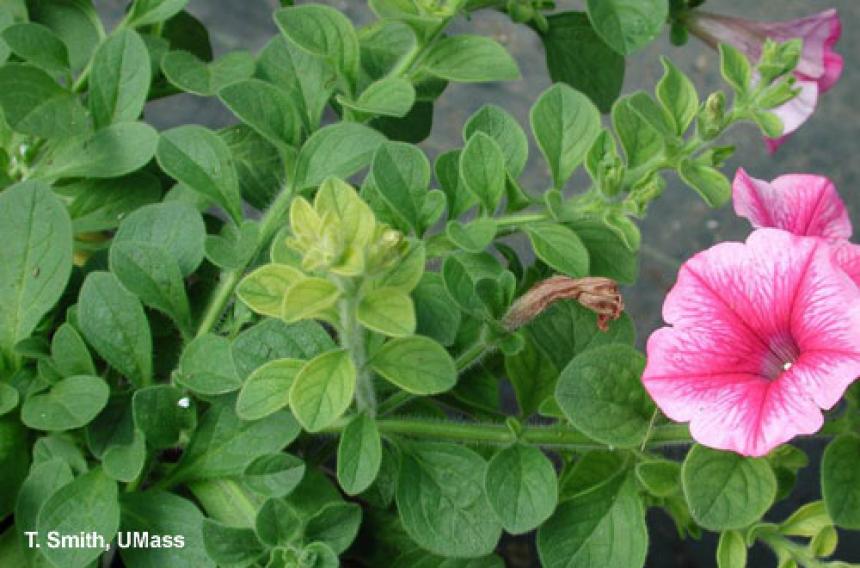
(88,501)
(278,524)
(175,227)
(148,12)
(162,513)
(335,525)
(33,103)
(714,188)
(267,389)
(274,475)
(36,260)
(323,390)
(447,169)
(149,272)
(436,317)
(522,487)
(223,445)
(628,25)
(601,393)
(308,298)
(119,79)
(641,142)
(113,322)
(273,339)
(401,174)
(100,204)
(470,59)
(198,158)
(652,113)
(567,329)
(661,478)
(735,67)
(725,490)
(113,151)
(44,479)
(482,169)
(338,150)
(162,413)
(840,471)
(387,97)
(14,460)
(416,364)
(461,274)
(387,311)
(206,366)
(259,165)
(9,398)
(231,546)
(265,108)
(577,56)
(324,32)
(678,96)
(39,45)
(533,377)
(359,454)
(732,550)
(475,236)
(125,462)
(441,501)
(70,404)
(190,74)
(560,248)
(565,123)
(608,254)
(602,527)
(319,555)
(499,125)
(76,23)
(263,290)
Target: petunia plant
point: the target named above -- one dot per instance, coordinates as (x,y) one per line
(298,342)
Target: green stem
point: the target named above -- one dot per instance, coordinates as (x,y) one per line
(352,339)
(269,224)
(520,219)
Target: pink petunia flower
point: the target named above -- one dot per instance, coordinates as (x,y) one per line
(762,336)
(817,71)
(802,204)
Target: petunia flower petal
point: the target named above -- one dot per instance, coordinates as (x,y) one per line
(794,113)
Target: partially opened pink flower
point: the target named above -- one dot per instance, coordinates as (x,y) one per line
(762,336)
(817,71)
(802,204)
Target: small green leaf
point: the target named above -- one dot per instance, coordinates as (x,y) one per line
(37,44)
(267,389)
(652,113)
(447,169)
(190,74)
(678,95)
(601,527)
(148,12)
(336,525)
(44,479)
(274,475)
(470,59)
(732,550)
(533,377)
(206,366)
(708,182)
(840,472)
(324,32)
(113,322)
(735,68)
(441,501)
(499,125)
(263,290)
(113,151)
(119,79)
(565,124)
(231,546)
(725,490)
(560,248)
(601,393)
(125,462)
(338,150)
(521,486)
(640,140)
(661,478)
(162,413)
(401,175)
(577,56)
(278,524)
(608,253)
(265,108)
(234,247)
(100,204)
(323,390)
(482,169)
(416,364)
(628,25)
(273,339)
(33,103)
(70,404)
(9,398)
(198,158)
(359,454)
(475,236)
(308,298)
(88,501)
(387,311)
(387,97)
(436,317)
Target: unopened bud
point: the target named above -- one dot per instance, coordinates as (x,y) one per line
(777,59)
(712,116)
(598,294)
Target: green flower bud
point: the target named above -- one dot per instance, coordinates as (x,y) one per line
(711,119)
(777,59)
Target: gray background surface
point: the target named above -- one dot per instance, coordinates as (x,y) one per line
(678,225)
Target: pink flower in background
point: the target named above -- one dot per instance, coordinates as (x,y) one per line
(802,204)
(762,335)
(817,71)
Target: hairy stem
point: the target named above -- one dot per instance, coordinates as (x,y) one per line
(352,339)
